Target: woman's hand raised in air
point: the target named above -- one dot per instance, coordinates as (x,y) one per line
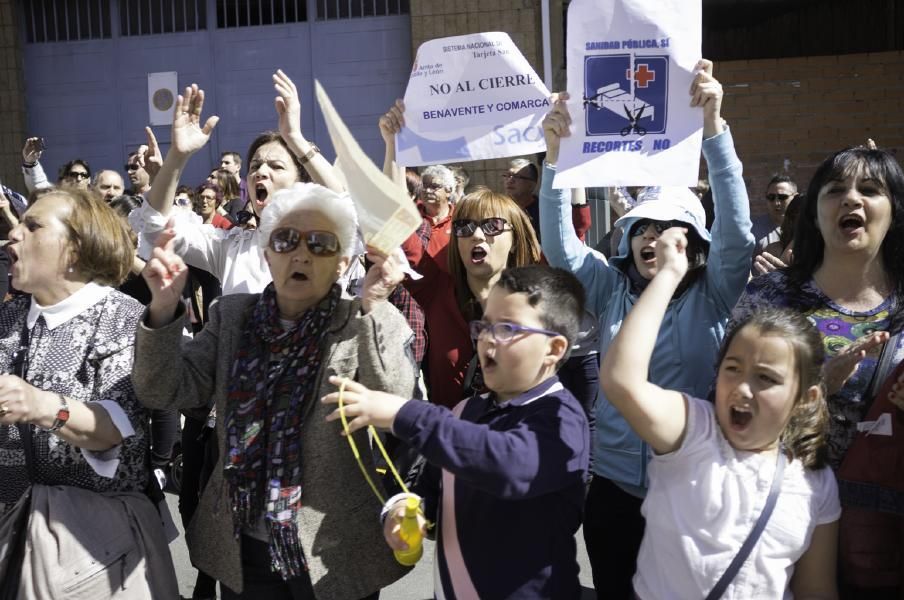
(189,135)
(556,125)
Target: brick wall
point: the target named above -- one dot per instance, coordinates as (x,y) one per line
(12,98)
(431,19)
(794,112)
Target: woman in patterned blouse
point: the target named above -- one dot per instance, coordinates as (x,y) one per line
(71,337)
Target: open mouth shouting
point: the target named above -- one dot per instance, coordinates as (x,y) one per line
(261,194)
(740,417)
(851,224)
(648,255)
(478,255)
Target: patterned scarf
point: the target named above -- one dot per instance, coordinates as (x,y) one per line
(273,376)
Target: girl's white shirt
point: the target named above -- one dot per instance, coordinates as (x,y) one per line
(704,500)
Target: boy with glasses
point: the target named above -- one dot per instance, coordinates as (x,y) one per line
(504,482)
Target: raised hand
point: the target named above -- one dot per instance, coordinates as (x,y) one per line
(382,278)
(189,135)
(671,251)
(362,406)
(766,263)
(288,107)
(165,275)
(706,92)
(841,367)
(32,150)
(392,122)
(556,125)
(152,158)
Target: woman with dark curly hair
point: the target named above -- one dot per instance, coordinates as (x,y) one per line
(847,277)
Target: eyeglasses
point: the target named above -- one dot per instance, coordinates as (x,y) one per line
(491,227)
(774,197)
(132,167)
(319,243)
(660,226)
(433,186)
(503,332)
(521,177)
(77,175)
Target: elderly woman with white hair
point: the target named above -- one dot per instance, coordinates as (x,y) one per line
(287,513)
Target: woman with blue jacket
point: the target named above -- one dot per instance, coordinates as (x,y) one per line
(691,332)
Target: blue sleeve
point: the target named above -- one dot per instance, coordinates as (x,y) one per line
(563,249)
(545,452)
(728,263)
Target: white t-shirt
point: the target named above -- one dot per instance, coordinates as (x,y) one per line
(235,257)
(704,500)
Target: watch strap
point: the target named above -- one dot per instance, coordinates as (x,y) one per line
(62,415)
(309,154)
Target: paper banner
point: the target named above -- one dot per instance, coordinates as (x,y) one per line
(471,97)
(386,215)
(630,66)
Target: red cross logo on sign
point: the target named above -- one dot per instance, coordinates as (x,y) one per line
(642,76)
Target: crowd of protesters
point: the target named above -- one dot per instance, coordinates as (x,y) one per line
(717,401)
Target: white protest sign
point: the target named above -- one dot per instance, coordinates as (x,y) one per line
(386,215)
(471,97)
(630,68)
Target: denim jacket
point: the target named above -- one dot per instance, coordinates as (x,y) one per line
(687,347)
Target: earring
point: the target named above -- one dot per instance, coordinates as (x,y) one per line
(70,270)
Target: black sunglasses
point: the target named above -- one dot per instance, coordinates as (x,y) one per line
(513,176)
(319,243)
(77,175)
(490,227)
(132,167)
(774,197)
(243,216)
(660,226)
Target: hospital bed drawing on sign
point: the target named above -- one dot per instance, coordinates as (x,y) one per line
(612,97)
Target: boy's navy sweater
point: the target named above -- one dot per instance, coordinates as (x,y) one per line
(516,471)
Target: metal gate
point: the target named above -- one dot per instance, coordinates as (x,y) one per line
(86,66)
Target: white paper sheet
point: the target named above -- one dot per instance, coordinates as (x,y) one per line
(471,97)
(386,215)
(630,68)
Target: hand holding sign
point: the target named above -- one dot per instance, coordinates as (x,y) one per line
(706,92)
(392,122)
(556,125)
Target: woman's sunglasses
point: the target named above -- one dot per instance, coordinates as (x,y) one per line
(660,226)
(243,216)
(491,227)
(319,243)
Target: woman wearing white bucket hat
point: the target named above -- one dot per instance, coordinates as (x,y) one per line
(692,329)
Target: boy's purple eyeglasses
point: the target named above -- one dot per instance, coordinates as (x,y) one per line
(504,332)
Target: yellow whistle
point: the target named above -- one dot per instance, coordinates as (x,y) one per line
(411,534)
